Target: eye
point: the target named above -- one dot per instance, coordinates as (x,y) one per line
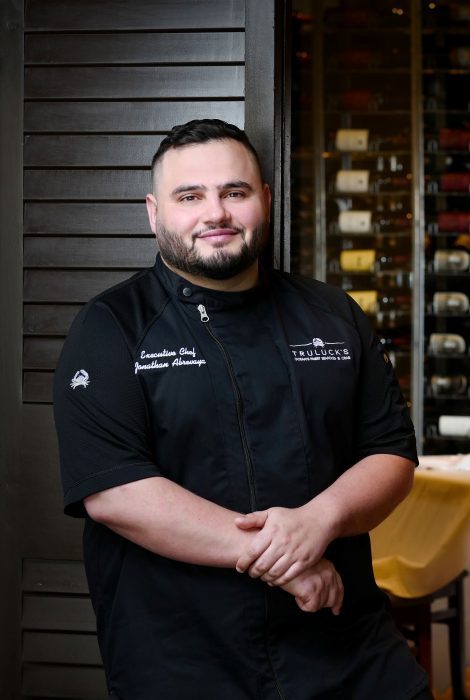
(235,195)
(188,198)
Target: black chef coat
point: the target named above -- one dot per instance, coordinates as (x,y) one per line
(251,400)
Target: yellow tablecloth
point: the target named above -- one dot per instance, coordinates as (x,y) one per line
(425,542)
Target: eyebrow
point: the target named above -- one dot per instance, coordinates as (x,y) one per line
(235,184)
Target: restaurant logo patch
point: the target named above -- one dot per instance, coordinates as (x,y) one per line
(320,350)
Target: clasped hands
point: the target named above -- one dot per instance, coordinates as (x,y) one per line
(287,551)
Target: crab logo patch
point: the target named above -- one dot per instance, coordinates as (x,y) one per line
(80,378)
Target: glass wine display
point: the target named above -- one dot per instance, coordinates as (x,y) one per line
(380,180)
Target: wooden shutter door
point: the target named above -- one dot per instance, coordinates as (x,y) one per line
(101,84)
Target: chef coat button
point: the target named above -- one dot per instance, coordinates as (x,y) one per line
(187,291)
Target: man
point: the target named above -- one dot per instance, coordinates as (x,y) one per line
(231,434)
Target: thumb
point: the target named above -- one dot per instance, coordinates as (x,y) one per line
(249,521)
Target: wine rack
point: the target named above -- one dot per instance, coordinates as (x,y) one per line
(446,165)
(380,186)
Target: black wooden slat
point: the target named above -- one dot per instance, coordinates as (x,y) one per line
(54,576)
(59,648)
(121,14)
(59,613)
(193,47)
(134,82)
(79,219)
(86,184)
(48,319)
(41,353)
(90,150)
(72,286)
(131,117)
(63,682)
(89,252)
(37,387)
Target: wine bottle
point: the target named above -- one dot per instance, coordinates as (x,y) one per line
(451,260)
(453,221)
(455,182)
(365,221)
(396,341)
(352,139)
(454,426)
(446,344)
(374,303)
(460,56)
(394,261)
(448,385)
(444,303)
(454,139)
(357,260)
(364,181)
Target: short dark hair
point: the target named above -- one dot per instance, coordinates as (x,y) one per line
(202,131)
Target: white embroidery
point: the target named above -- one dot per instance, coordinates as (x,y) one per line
(320,350)
(80,378)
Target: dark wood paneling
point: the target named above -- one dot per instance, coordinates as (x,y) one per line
(54,576)
(134,82)
(63,682)
(127,117)
(41,353)
(48,319)
(87,151)
(59,648)
(79,219)
(61,613)
(196,47)
(144,15)
(69,287)
(90,252)
(37,387)
(86,184)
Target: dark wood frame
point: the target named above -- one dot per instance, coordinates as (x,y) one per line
(11,207)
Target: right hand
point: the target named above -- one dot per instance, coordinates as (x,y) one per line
(319,586)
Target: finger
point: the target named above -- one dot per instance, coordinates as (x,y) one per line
(273,572)
(336,608)
(290,573)
(253,552)
(263,564)
(251,520)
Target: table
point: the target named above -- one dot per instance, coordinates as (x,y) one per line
(425,542)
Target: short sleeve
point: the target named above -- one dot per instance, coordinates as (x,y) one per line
(99,410)
(383,424)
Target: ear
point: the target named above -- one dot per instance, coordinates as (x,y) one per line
(267,201)
(151,203)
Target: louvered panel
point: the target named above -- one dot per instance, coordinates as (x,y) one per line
(90,252)
(82,151)
(195,47)
(125,117)
(61,613)
(37,387)
(82,219)
(54,681)
(145,15)
(50,319)
(73,286)
(54,576)
(134,82)
(59,648)
(41,353)
(86,184)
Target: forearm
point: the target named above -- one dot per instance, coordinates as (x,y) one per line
(363,496)
(165,518)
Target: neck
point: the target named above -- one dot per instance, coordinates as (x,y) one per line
(238,283)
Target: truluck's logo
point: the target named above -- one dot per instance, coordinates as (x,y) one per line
(319,349)
(80,378)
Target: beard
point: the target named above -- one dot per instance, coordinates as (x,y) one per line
(222,264)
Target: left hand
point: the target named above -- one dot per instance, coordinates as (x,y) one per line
(290,541)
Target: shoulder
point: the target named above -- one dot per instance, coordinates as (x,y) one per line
(325,296)
(127,308)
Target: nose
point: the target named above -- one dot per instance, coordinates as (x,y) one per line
(216,212)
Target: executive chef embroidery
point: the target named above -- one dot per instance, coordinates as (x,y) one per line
(162,359)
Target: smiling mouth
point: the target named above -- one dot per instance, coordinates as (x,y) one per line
(218,232)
